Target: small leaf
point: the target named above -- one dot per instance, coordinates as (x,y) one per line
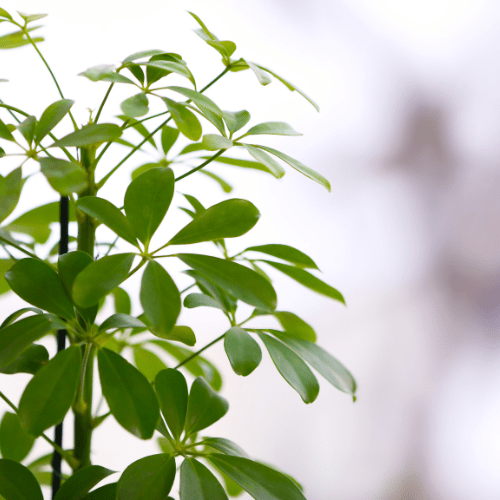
(203,27)
(129,395)
(81,482)
(105,72)
(10,191)
(135,106)
(201,300)
(147,200)
(32,17)
(15,444)
(2,151)
(227,188)
(5,132)
(185,120)
(242,350)
(65,177)
(154,74)
(224,47)
(148,363)
(4,13)
(27,128)
(28,361)
(272,128)
(17,482)
(94,133)
(51,392)
(213,142)
(295,326)
(272,165)
(168,137)
(236,120)
(51,117)
(121,320)
(198,483)
(261,75)
(172,391)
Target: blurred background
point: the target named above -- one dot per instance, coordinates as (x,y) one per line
(408,137)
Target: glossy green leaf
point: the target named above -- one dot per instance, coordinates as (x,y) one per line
(168,137)
(148,363)
(255,165)
(198,483)
(308,280)
(224,446)
(236,279)
(5,132)
(235,120)
(261,75)
(172,391)
(201,300)
(15,444)
(104,211)
(28,361)
(94,133)
(285,252)
(105,72)
(272,128)
(31,278)
(154,73)
(100,277)
(242,350)
(107,492)
(81,482)
(292,368)
(129,395)
(51,117)
(160,299)
(65,177)
(295,326)
(272,165)
(332,369)
(51,392)
(233,489)
(260,481)
(227,188)
(17,482)
(195,203)
(173,67)
(205,407)
(122,301)
(185,120)
(147,200)
(213,142)
(135,106)
(27,128)
(120,320)
(10,191)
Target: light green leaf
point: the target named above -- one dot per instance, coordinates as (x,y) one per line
(10,191)
(192,148)
(28,361)
(144,168)
(135,106)
(129,395)
(224,47)
(198,483)
(81,482)
(4,13)
(168,137)
(122,301)
(27,128)
(295,326)
(105,72)
(287,253)
(227,188)
(120,320)
(242,350)
(15,444)
(94,133)
(29,18)
(148,363)
(210,35)
(185,120)
(255,165)
(272,128)
(4,131)
(65,177)
(51,392)
(271,165)
(51,117)
(261,75)
(17,482)
(201,300)
(202,101)
(18,39)
(236,120)
(213,142)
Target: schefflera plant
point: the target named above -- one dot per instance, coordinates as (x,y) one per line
(65,293)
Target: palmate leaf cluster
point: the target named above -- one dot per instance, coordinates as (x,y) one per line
(144,396)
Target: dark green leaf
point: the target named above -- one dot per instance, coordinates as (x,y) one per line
(295,326)
(213,142)
(15,444)
(65,177)
(198,483)
(2,152)
(272,128)
(94,133)
(185,120)
(196,204)
(105,72)
(122,301)
(129,395)
(154,74)
(233,489)
(81,482)
(168,137)
(224,446)
(51,117)
(236,120)
(148,363)
(147,200)
(173,67)
(135,106)
(107,492)
(5,132)
(120,320)
(201,300)
(227,188)
(28,361)
(51,392)
(287,253)
(272,165)
(17,482)
(10,191)
(27,128)
(242,350)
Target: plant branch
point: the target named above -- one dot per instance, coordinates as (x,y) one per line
(21,249)
(104,102)
(199,167)
(197,353)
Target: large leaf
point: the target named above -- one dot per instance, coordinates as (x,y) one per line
(271,165)
(185,120)
(51,117)
(148,363)
(65,177)
(149,478)
(205,407)
(227,219)
(160,299)
(107,492)
(15,443)
(105,212)
(172,391)
(10,191)
(242,350)
(135,106)
(238,280)
(147,200)
(198,483)
(31,279)
(129,395)
(94,133)
(272,128)
(51,392)
(17,482)
(100,277)
(81,482)
(285,252)
(28,361)
(292,368)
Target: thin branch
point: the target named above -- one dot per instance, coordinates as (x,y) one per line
(104,102)
(199,167)
(197,353)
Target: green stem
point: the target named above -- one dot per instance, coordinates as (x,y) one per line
(199,167)
(86,226)
(197,353)
(21,249)
(104,102)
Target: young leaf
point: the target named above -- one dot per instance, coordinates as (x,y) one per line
(227,219)
(185,120)
(147,200)
(213,142)
(224,47)
(94,133)
(136,70)
(149,478)
(168,137)
(121,320)
(160,299)
(201,300)
(236,279)
(129,395)
(65,177)
(5,132)
(287,253)
(28,361)
(272,128)
(135,106)
(51,392)
(271,165)
(172,391)
(235,120)
(202,101)
(81,482)
(242,350)
(295,326)
(51,117)
(148,363)
(198,483)
(205,407)
(261,75)
(31,279)
(105,72)
(307,279)
(104,211)
(27,128)
(17,482)
(100,277)
(10,191)
(15,444)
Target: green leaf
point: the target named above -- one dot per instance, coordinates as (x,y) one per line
(233,489)
(236,120)
(224,47)
(136,70)
(271,165)
(27,128)
(295,326)
(144,168)
(202,101)
(135,106)
(201,300)
(105,72)
(15,338)
(227,188)
(272,128)
(287,253)
(17,39)
(182,334)
(64,176)
(122,301)
(185,120)
(210,35)
(242,350)
(292,368)
(17,314)
(107,492)
(28,361)
(255,165)
(10,191)
(4,13)
(29,18)
(17,482)
(227,219)
(168,137)
(120,320)
(51,392)
(147,200)
(236,279)
(31,279)
(94,133)
(100,277)
(308,280)
(154,73)
(81,482)
(139,127)
(160,299)
(224,446)
(198,483)
(149,478)
(172,391)
(15,444)
(5,132)
(142,54)
(213,142)
(195,203)
(261,75)
(105,212)
(148,363)
(2,151)
(51,117)
(173,67)
(192,148)
(205,407)
(332,369)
